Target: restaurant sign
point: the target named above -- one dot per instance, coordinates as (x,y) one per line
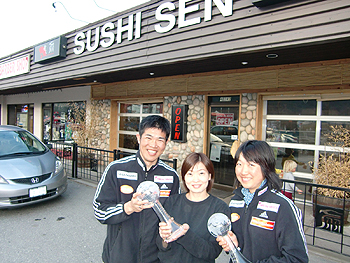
(179,123)
(167,16)
(15,67)
(53,49)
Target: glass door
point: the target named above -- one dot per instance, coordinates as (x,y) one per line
(224,115)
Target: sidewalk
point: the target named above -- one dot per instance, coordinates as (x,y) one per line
(315,254)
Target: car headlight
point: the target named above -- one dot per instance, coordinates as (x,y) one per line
(59,166)
(2,180)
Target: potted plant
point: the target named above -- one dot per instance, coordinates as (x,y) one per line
(333,170)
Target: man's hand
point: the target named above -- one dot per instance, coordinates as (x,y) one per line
(135,205)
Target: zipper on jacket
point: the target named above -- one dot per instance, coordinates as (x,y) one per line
(140,239)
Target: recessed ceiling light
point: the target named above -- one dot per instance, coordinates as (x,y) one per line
(151,73)
(244,62)
(271,55)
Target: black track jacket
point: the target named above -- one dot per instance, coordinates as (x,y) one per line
(131,238)
(270,229)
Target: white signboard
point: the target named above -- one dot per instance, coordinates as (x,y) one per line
(215,152)
(15,67)
(224,119)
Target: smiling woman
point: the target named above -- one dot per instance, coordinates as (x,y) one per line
(266,224)
(192,210)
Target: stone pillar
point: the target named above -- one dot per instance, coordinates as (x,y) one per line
(195,127)
(248,117)
(101,113)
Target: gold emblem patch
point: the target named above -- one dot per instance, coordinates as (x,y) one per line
(126,189)
(235,217)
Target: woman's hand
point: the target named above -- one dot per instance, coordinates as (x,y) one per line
(222,241)
(165,231)
(135,205)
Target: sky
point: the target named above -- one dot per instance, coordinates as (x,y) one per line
(26,23)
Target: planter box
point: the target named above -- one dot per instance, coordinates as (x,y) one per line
(329,213)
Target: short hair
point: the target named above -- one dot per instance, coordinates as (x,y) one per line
(191,160)
(262,154)
(155,121)
(289,165)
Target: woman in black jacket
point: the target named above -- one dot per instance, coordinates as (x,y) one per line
(267,226)
(192,210)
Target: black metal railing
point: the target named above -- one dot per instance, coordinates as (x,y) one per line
(89,163)
(325,219)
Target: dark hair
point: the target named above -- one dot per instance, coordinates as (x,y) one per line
(191,160)
(155,121)
(261,153)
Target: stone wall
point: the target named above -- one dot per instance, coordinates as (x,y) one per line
(248,117)
(195,124)
(195,127)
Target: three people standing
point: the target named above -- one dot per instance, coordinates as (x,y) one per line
(266,225)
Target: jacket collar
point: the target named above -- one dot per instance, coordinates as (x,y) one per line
(258,192)
(141,162)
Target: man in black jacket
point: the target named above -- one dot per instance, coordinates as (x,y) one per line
(131,226)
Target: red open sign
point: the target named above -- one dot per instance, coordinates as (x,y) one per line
(178,123)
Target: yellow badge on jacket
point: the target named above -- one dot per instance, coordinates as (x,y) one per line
(235,217)
(126,189)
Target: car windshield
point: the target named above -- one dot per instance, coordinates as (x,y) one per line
(19,142)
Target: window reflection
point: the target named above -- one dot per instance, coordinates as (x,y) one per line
(128,141)
(291,107)
(302,157)
(336,108)
(326,129)
(129,123)
(288,131)
(130,116)
(154,108)
(130,108)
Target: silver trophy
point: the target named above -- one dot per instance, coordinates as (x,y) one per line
(218,225)
(150,192)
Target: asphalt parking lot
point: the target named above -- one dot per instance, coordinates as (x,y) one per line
(60,230)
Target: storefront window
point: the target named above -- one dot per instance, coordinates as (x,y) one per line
(130,116)
(129,108)
(291,131)
(58,120)
(296,127)
(336,108)
(154,108)
(129,123)
(291,107)
(304,158)
(47,113)
(21,115)
(326,129)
